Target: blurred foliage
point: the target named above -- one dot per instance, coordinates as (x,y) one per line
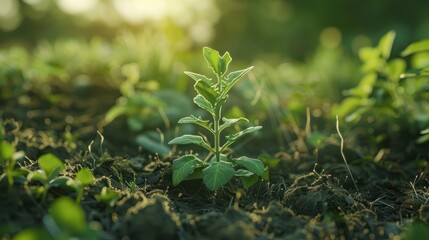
(292,28)
(79,63)
(392,105)
(247,28)
(65,220)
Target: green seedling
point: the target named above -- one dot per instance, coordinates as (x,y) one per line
(211,96)
(65,220)
(108,196)
(8,160)
(48,174)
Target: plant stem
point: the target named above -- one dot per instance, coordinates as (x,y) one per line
(216,120)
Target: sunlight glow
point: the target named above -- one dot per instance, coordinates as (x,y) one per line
(135,11)
(9,15)
(330,37)
(76,6)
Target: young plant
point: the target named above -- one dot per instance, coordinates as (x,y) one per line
(8,160)
(48,174)
(211,96)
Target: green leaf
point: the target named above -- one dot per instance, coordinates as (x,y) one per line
(107,196)
(249,181)
(385,44)
(415,47)
(217,174)
(59,182)
(269,161)
(266,175)
(191,139)
(395,68)
(207,91)
(216,62)
(252,164)
(203,123)
(199,77)
(204,104)
(243,173)
(424,131)
(233,78)
(365,86)
(6,151)
(183,167)
(51,165)
(229,122)
(348,106)
(423,139)
(368,53)
(234,137)
(68,215)
(33,234)
(38,175)
(115,112)
(85,176)
(316,139)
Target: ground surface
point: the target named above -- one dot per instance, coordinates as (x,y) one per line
(301,200)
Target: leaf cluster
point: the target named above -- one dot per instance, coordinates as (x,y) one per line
(211,96)
(396,98)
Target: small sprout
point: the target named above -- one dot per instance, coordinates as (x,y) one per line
(211,95)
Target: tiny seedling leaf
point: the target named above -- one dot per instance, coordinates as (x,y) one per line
(37,175)
(216,62)
(224,62)
(115,112)
(233,78)
(68,215)
(385,44)
(6,151)
(269,161)
(198,77)
(252,164)
(207,91)
(243,173)
(59,182)
(395,68)
(192,119)
(229,122)
(368,54)
(85,176)
(235,136)
(107,196)
(316,139)
(183,167)
(51,165)
(204,104)
(190,139)
(218,174)
(416,47)
(33,233)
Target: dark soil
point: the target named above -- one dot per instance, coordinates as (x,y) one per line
(302,199)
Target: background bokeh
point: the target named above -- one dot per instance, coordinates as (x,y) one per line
(249,28)
(305,53)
